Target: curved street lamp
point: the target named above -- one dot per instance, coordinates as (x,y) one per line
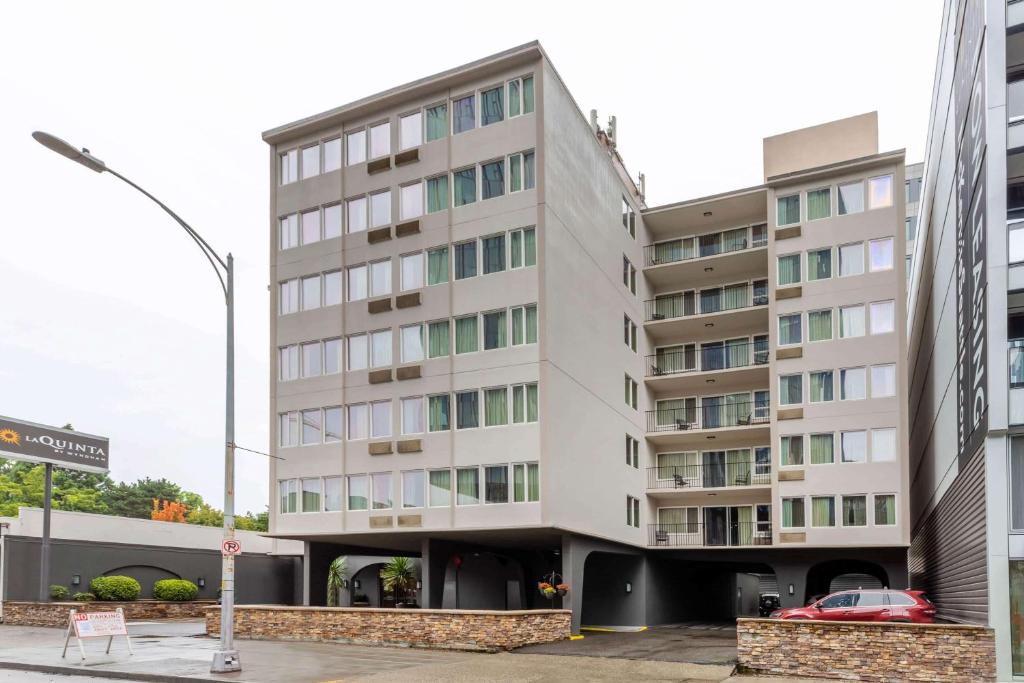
(226,658)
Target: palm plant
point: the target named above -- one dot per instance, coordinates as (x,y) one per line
(397,575)
(337,580)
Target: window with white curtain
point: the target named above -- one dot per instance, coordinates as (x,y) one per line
(412,489)
(411,200)
(381,490)
(883,317)
(883,380)
(380,278)
(412,415)
(851,198)
(311,495)
(332,288)
(289,231)
(1016,239)
(288,362)
(412,271)
(332,221)
(355,147)
(380,349)
(883,445)
(853,384)
(312,360)
(880,254)
(380,140)
(358,492)
(380,419)
(412,343)
(288,495)
(333,428)
(310,161)
(310,292)
(358,426)
(310,221)
(380,209)
(851,259)
(880,192)
(410,131)
(332,356)
(357,352)
(288,429)
(332,494)
(288,168)
(332,155)
(357,283)
(356,209)
(854,446)
(851,321)
(288,297)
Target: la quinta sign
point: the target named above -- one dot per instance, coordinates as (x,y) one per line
(31,442)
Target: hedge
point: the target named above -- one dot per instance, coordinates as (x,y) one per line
(58,592)
(178,590)
(115,588)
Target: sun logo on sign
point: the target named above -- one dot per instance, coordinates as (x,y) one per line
(8,435)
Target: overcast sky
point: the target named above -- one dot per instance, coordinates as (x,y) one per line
(111,319)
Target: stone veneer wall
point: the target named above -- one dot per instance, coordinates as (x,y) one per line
(866,651)
(56,613)
(434,628)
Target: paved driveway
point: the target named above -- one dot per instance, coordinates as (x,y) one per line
(694,643)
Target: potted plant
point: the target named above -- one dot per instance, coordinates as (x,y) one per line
(552,585)
(398,576)
(337,580)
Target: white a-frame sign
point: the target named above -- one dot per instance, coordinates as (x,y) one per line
(96,625)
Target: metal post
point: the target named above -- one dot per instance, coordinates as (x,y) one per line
(44,549)
(226,659)
(3,563)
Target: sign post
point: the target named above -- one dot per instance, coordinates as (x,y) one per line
(96,625)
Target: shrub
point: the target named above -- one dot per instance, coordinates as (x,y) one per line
(58,592)
(178,590)
(115,588)
(83,597)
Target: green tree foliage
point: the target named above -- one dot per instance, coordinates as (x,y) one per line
(337,579)
(136,499)
(398,575)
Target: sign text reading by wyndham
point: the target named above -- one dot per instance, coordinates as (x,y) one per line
(31,442)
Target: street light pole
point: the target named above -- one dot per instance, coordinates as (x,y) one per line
(226,658)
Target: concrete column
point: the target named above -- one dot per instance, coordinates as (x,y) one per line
(574,556)
(795,574)
(306,564)
(434,556)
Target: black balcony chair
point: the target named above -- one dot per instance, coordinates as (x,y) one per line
(657,370)
(660,537)
(743,479)
(744,419)
(680,481)
(682,424)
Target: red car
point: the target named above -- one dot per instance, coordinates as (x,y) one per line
(866,605)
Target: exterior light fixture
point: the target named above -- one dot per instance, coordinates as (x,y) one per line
(706,214)
(76,579)
(709,324)
(710,381)
(629,587)
(708,269)
(419,585)
(201,582)
(357,584)
(792,589)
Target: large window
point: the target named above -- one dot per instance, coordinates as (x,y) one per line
(380,419)
(465,186)
(440,488)
(790,390)
(357,214)
(311,292)
(851,198)
(437,193)
(310,221)
(438,412)
(288,167)
(526,482)
(380,278)
(463,114)
(880,254)
(883,444)
(524,403)
(437,122)
(493,254)
(355,147)
(789,329)
(819,325)
(311,493)
(465,260)
(853,382)
(789,269)
(633,512)
(793,513)
(332,221)
(467,409)
(492,179)
(854,446)
(495,330)
(883,317)
(821,386)
(411,200)
(851,321)
(496,484)
(288,233)
(883,381)
(380,140)
(851,259)
(520,96)
(410,131)
(523,248)
(412,271)
(819,203)
(288,496)
(885,509)
(467,336)
(380,209)
(819,264)
(332,494)
(359,492)
(823,511)
(438,339)
(521,171)
(788,210)
(381,489)
(380,348)
(855,511)
(492,106)
(437,266)
(822,449)
(467,481)
(791,450)
(412,489)
(412,343)
(495,407)
(332,155)
(524,325)
(357,352)
(310,161)
(880,192)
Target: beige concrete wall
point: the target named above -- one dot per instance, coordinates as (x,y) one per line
(821,145)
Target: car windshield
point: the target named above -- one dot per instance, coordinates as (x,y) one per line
(836,601)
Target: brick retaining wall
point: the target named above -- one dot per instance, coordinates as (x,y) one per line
(434,628)
(56,613)
(866,651)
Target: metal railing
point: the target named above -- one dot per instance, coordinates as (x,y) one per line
(702,246)
(711,300)
(703,535)
(707,358)
(708,475)
(715,415)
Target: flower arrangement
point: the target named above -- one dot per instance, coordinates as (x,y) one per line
(549,590)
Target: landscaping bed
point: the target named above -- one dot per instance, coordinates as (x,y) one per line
(56,613)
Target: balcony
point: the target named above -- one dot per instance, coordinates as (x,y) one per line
(716,473)
(729,310)
(687,367)
(1015,363)
(718,534)
(729,423)
(735,254)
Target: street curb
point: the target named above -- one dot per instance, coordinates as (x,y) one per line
(103,673)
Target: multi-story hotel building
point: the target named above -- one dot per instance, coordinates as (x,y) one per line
(488,353)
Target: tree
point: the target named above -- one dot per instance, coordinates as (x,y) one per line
(136,500)
(205,515)
(337,579)
(251,522)
(167,511)
(397,575)
(21,485)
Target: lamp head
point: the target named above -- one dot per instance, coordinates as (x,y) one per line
(63,148)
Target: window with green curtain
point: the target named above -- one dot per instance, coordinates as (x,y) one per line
(819,264)
(670,359)
(439,341)
(492,179)
(518,326)
(855,511)
(529,171)
(465,186)
(531,402)
(496,484)
(668,306)
(737,353)
(515,173)
(819,203)
(532,482)
(518,483)
(790,390)
(822,449)
(492,106)
(789,269)
(437,407)
(518,403)
(673,411)
(819,325)
(823,511)
(528,95)
(437,266)
(515,249)
(467,337)
(737,408)
(736,296)
(738,467)
(437,194)
(668,252)
(514,101)
(789,329)
(734,240)
(437,122)
(440,485)
(465,260)
(821,386)
(788,210)
(792,450)
(531,324)
(495,407)
(885,509)
(495,330)
(792,512)
(467,406)
(684,464)
(467,485)
(745,524)
(530,247)
(493,254)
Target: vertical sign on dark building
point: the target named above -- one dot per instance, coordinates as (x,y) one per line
(971,276)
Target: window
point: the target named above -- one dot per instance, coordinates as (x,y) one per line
(412,271)
(526,482)
(437,193)
(332,424)
(380,348)
(312,365)
(880,192)
(467,405)
(438,339)
(492,106)
(524,403)
(411,199)
(380,209)
(355,147)
(628,217)
(631,393)
(358,492)
(311,495)
(332,158)
(465,260)
(380,140)
(289,232)
(310,161)
(496,484)
(465,186)
(467,338)
(791,451)
(854,511)
(524,325)
(628,275)
(823,511)
(520,96)
(288,429)
(380,419)
(332,356)
(885,509)
(819,203)
(880,254)
(819,325)
(357,352)
(883,444)
(332,221)
(819,264)
(332,494)
(437,122)
(412,343)
(910,226)
(311,427)
(437,266)
(883,317)
(381,490)
(853,383)
(412,489)
(288,492)
(289,167)
(410,131)
(632,512)
(439,488)
(412,415)
(883,381)
(288,297)
(463,115)
(495,407)
(822,449)
(523,247)
(492,179)
(851,259)
(438,413)
(790,390)
(493,254)
(380,278)
(854,446)
(851,198)
(632,452)
(851,321)
(792,513)
(913,190)
(521,171)
(789,269)
(821,386)
(467,482)
(288,363)
(310,292)
(495,330)
(629,332)
(356,210)
(788,210)
(332,288)
(310,221)
(789,329)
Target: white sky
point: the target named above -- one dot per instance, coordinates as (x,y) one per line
(110,317)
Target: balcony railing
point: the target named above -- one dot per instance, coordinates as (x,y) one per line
(710,475)
(722,356)
(708,416)
(702,535)
(701,246)
(712,300)
(1015,367)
